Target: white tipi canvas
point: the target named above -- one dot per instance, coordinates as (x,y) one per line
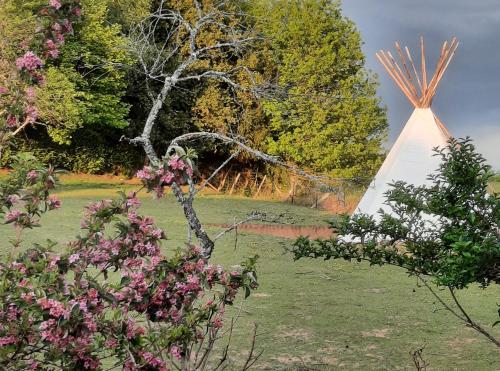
(410,159)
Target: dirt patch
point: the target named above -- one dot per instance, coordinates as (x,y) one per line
(288,359)
(459,342)
(300,334)
(382,333)
(327,355)
(306,361)
(260,295)
(284,230)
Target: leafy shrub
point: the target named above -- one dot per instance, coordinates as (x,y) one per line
(449,231)
(94,158)
(110,298)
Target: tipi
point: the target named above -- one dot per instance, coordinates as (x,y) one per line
(411,158)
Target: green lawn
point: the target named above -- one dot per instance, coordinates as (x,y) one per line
(314,315)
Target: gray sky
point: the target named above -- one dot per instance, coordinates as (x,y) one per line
(468,98)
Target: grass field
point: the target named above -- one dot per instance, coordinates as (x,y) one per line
(312,315)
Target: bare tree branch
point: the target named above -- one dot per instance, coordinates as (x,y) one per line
(464,316)
(319,180)
(222,166)
(472,323)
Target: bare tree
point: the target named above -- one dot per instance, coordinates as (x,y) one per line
(171,51)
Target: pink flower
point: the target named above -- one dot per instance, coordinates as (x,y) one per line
(53,53)
(30,94)
(159,191)
(90,324)
(11,121)
(132,330)
(111,343)
(56,308)
(33,364)
(176,352)
(59,37)
(28,297)
(13,199)
(77,11)
(3,90)
(31,114)
(20,267)
(217,322)
(12,216)
(167,178)
(32,176)
(151,359)
(53,202)
(6,340)
(54,260)
(67,26)
(145,174)
(55,4)
(176,163)
(47,324)
(50,44)
(29,61)
(56,27)
(132,201)
(74,258)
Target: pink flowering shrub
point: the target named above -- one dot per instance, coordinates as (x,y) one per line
(29,62)
(18,102)
(111,298)
(176,168)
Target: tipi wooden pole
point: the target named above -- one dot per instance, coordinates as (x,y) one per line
(405,66)
(414,70)
(444,62)
(393,74)
(402,76)
(424,70)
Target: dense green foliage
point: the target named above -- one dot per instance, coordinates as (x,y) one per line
(86,154)
(326,116)
(94,60)
(85,85)
(331,119)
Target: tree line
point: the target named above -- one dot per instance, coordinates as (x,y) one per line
(321,111)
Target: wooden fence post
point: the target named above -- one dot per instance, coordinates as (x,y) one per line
(234,184)
(260,186)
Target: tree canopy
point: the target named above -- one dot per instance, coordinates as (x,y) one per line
(324,116)
(331,119)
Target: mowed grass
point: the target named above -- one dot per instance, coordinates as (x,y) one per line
(311,314)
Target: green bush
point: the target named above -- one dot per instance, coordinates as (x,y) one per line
(92,159)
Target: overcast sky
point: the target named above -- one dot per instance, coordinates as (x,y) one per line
(468,98)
